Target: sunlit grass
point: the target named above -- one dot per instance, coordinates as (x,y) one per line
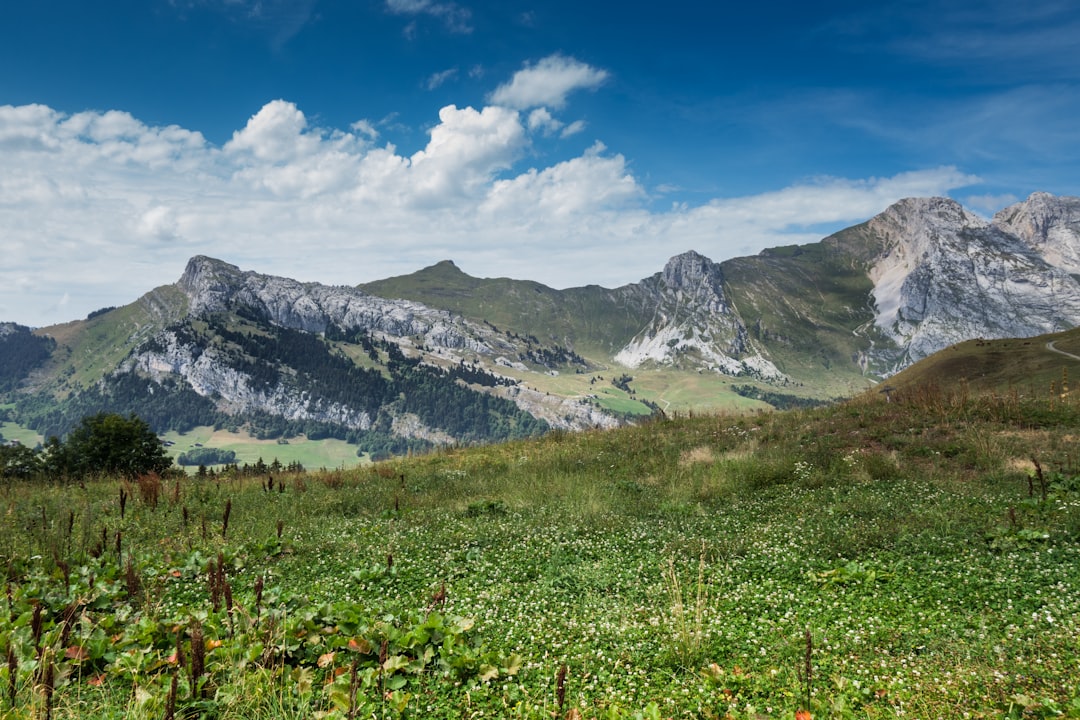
(674,568)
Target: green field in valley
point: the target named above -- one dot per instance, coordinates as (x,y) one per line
(312,454)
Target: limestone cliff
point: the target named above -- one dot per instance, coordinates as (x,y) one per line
(947,275)
(692,320)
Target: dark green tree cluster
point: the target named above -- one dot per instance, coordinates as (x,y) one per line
(553,357)
(468,415)
(18,461)
(105,444)
(256,469)
(100,311)
(780,401)
(475,375)
(166,405)
(313,365)
(206,456)
(380,445)
(20,352)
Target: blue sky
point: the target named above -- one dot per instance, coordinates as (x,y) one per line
(347,140)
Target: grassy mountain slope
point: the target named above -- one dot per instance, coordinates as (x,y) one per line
(87,350)
(1027,366)
(588,318)
(809,305)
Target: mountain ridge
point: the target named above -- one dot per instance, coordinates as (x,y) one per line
(805,321)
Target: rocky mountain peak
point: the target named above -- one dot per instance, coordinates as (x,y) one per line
(944,274)
(913,221)
(692,277)
(209,283)
(689,269)
(692,316)
(1047,224)
(1033,219)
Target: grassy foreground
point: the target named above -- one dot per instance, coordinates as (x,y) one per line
(918,558)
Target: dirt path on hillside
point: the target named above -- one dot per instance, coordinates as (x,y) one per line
(1051,348)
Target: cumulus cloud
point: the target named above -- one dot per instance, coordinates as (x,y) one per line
(275,134)
(102,207)
(547,83)
(466,149)
(541,120)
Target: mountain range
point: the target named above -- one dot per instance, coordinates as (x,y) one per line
(438,356)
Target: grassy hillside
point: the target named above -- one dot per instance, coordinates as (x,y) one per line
(809,305)
(1029,366)
(918,558)
(88,349)
(588,318)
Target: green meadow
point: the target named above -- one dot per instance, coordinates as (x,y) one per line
(916,558)
(312,454)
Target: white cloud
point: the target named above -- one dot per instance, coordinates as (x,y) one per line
(573,129)
(365,127)
(747,225)
(456,18)
(466,149)
(437,79)
(101,207)
(542,120)
(574,188)
(274,134)
(987,205)
(158,223)
(547,83)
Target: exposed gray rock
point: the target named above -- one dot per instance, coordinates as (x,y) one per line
(559,412)
(216,286)
(1049,225)
(947,275)
(692,318)
(211,375)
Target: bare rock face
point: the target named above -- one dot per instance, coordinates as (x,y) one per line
(559,412)
(215,286)
(1049,225)
(692,316)
(947,275)
(210,375)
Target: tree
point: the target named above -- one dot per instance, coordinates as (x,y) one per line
(18,461)
(110,444)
